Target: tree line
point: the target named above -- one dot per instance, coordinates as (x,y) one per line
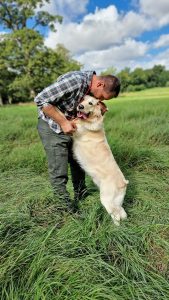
(27,65)
(140,79)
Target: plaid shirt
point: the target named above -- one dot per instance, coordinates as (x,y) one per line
(65,93)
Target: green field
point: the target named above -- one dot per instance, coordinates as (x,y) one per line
(48,255)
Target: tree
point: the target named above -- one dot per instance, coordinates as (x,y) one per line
(140,79)
(14,15)
(19,49)
(28,64)
(158,75)
(110,71)
(124,77)
(7,76)
(138,76)
(21,44)
(48,64)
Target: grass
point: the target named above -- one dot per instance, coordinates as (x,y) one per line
(46,255)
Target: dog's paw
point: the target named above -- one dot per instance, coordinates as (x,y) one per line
(115,220)
(123,214)
(116,217)
(118,214)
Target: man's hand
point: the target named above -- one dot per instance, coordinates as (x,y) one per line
(68,127)
(54,113)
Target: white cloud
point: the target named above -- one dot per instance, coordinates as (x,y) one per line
(160,59)
(108,38)
(68,9)
(118,56)
(99,30)
(156,9)
(163,41)
(103,15)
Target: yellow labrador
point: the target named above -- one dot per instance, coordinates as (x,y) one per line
(92,151)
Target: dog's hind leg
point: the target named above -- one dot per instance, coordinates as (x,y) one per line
(96,181)
(112,200)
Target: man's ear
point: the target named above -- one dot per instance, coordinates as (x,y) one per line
(100,83)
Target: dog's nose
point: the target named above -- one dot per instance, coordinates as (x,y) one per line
(81,106)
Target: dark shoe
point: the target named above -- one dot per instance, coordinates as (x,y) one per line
(81,195)
(63,202)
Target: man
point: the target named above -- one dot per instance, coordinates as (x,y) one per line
(55,128)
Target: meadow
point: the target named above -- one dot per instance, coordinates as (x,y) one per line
(46,254)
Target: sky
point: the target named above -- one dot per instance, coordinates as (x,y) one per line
(104,34)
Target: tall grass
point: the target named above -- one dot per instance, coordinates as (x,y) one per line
(48,255)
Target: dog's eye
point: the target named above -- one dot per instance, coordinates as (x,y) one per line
(90,103)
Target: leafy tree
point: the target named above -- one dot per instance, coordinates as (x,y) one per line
(48,64)
(138,76)
(28,64)
(7,76)
(19,49)
(158,74)
(124,76)
(109,71)
(15,15)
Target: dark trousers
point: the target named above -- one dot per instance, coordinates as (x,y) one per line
(58,148)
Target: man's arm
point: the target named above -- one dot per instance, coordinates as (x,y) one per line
(55,114)
(58,90)
(48,98)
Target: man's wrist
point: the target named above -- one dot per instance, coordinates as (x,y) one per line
(63,122)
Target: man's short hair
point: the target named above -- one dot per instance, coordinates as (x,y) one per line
(112,84)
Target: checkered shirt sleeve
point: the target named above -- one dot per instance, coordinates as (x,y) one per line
(65,93)
(53,93)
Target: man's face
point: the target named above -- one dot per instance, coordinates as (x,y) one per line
(101,94)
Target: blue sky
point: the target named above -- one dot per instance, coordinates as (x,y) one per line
(122,5)
(103,34)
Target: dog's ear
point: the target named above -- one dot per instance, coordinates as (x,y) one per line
(103,107)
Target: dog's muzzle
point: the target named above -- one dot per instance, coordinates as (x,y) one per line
(82,115)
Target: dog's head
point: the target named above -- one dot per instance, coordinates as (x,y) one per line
(90,107)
